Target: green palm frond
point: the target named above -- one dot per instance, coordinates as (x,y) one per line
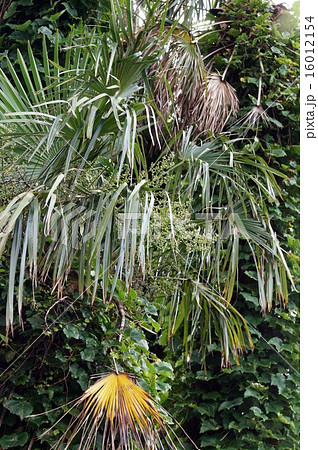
(76,134)
(200,306)
(239,215)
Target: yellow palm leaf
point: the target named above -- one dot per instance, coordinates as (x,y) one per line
(124,414)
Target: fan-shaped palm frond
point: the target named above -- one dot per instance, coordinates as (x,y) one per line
(176,77)
(216,102)
(125,415)
(185,93)
(256,115)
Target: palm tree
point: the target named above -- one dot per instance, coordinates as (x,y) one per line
(90,194)
(77,135)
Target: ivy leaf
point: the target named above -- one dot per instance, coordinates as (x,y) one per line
(88,354)
(14,440)
(207,409)
(164,368)
(163,387)
(250,392)
(230,404)
(209,425)
(250,298)
(251,273)
(137,337)
(273,407)
(278,152)
(278,380)
(253,80)
(71,331)
(80,374)
(258,412)
(276,342)
(285,420)
(47,32)
(22,27)
(72,11)
(209,441)
(20,407)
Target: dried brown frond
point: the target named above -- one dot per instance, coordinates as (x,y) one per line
(253,118)
(216,102)
(176,80)
(183,92)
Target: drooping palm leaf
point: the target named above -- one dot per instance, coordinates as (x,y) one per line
(216,102)
(77,131)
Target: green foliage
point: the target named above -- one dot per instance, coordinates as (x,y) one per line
(195,295)
(54,151)
(30,20)
(72,341)
(262,48)
(254,405)
(14,440)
